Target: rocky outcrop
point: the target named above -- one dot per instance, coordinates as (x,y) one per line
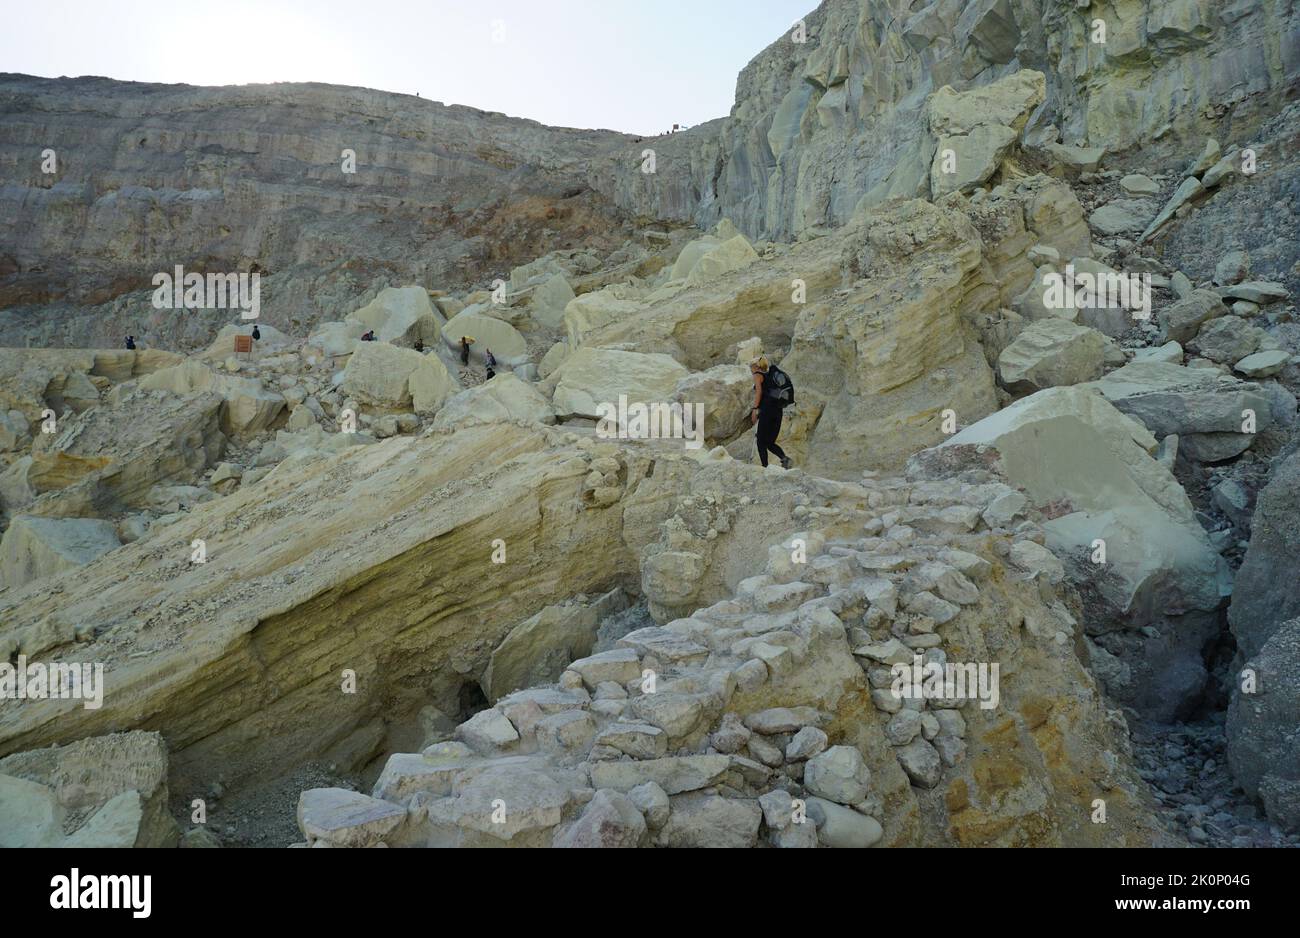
(105,791)
(819,125)
(772,717)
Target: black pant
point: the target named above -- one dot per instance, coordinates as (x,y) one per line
(769,426)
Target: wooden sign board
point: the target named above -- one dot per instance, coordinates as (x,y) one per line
(243,343)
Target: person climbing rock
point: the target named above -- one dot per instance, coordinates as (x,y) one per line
(369,336)
(773,392)
(464,349)
(257,333)
(130,342)
(491,361)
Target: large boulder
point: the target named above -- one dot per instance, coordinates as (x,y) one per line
(550,299)
(402,316)
(393,378)
(726,393)
(1181,321)
(33,548)
(342,818)
(1261,726)
(1207,410)
(249,408)
(593,376)
(1090,469)
(1052,352)
(586,313)
(712,821)
(733,254)
(335,339)
(103,791)
(505,397)
(1267,592)
(1108,311)
(502,338)
(1123,216)
(976,129)
(1228,339)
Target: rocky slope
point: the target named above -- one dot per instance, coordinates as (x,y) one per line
(356,588)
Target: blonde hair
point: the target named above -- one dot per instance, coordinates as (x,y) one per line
(761,363)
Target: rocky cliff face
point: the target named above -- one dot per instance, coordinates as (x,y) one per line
(819,125)
(252,178)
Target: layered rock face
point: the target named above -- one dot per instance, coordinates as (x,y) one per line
(253,178)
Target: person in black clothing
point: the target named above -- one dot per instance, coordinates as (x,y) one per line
(257,333)
(464,350)
(130,342)
(767,415)
(369,336)
(491,361)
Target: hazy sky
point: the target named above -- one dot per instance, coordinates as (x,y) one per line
(632,65)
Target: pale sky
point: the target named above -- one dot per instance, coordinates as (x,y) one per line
(637,66)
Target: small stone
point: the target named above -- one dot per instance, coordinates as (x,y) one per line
(807,743)
(922,763)
(903,727)
(839,774)
(652,802)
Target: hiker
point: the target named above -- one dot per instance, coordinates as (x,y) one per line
(257,333)
(772,393)
(130,342)
(491,361)
(464,349)
(369,336)
(419,346)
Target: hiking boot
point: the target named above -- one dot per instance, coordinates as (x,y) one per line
(785,462)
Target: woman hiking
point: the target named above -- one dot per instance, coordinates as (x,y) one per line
(766,412)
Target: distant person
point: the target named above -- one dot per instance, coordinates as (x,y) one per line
(773,392)
(464,350)
(369,336)
(130,342)
(491,361)
(419,346)
(257,333)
